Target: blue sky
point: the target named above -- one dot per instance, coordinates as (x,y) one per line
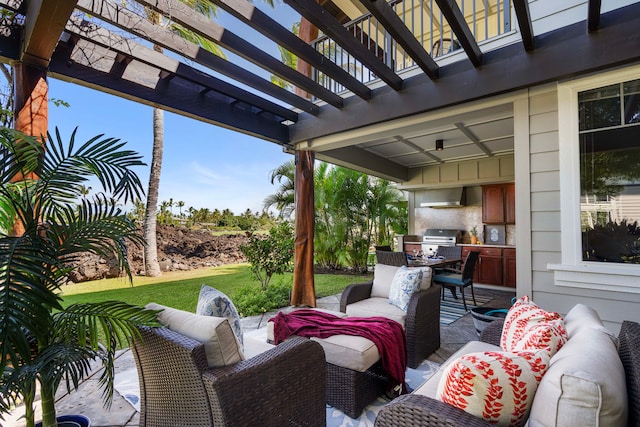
(204,166)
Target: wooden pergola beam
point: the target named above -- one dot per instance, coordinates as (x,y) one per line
(261,22)
(176,95)
(182,14)
(134,51)
(455,18)
(524,23)
(44,23)
(400,32)
(331,27)
(593,19)
(120,17)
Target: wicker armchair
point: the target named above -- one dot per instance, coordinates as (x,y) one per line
(422,323)
(280,387)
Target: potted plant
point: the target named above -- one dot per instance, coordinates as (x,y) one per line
(43,231)
(474,235)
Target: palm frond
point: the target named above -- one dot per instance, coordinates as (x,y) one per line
(69,361)
(27,294)
(101,158)
(116,320)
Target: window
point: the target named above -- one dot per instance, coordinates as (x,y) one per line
(609,156)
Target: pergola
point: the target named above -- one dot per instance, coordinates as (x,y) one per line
(112,53)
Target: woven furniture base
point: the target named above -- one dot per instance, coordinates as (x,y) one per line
(351,391)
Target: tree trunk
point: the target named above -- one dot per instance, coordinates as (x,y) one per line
(152,267)
(303,292)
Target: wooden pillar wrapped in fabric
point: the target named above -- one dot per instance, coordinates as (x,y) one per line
(304,293)
(30,111)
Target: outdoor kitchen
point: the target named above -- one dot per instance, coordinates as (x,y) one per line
(447,217)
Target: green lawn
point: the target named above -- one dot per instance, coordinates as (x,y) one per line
(179,289)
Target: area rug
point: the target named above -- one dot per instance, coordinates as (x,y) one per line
(452,309)
(413,377)
(126,384)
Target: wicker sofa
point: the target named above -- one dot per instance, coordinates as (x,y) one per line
(593,380)
(421,320)
(283,386)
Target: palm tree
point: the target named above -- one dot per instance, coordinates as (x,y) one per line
(284,199)
(84,191)
(352,211)
(207,8)
(41,340)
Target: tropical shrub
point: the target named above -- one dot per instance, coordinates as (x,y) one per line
(271,254)
(251,301)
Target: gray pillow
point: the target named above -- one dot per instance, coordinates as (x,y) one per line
(212,302)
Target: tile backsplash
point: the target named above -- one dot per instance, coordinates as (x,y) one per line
(462,218)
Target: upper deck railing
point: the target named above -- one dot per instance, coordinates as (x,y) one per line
(486,19)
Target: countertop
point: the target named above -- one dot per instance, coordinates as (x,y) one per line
(487,246)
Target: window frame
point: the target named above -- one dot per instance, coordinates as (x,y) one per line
(572,271)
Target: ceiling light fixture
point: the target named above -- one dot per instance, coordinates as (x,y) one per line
(439,144)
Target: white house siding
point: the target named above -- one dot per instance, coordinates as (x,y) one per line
(613,305)
(545,187)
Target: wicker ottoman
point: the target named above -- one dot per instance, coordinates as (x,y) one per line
(351,391)
(355,376)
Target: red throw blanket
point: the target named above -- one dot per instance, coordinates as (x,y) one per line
(387,334)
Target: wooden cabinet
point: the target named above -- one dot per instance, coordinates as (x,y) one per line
(498,204)
(509,267)
(492,204)
(490,266)
(496,266)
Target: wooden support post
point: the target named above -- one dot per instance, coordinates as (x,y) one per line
(307,32)
(304,293)
(31,111)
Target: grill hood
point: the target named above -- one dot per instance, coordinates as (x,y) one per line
(444,197)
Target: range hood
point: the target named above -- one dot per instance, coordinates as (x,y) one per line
(444,198)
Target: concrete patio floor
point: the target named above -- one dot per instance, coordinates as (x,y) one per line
(88,398)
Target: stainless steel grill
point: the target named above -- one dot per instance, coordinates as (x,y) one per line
(434,237)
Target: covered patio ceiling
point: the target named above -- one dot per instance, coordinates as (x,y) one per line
(374,127)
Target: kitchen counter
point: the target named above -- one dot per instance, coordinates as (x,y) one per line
(487,246)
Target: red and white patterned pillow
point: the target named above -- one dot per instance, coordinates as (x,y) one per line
(496,386)
(522,315)
(551,335)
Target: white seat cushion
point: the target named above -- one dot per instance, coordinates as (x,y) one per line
(255,342)
(348,351)
(352,352)
(220,343)
(378,306)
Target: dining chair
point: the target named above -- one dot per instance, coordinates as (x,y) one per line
(461,280)
(449,252)
(392,258)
